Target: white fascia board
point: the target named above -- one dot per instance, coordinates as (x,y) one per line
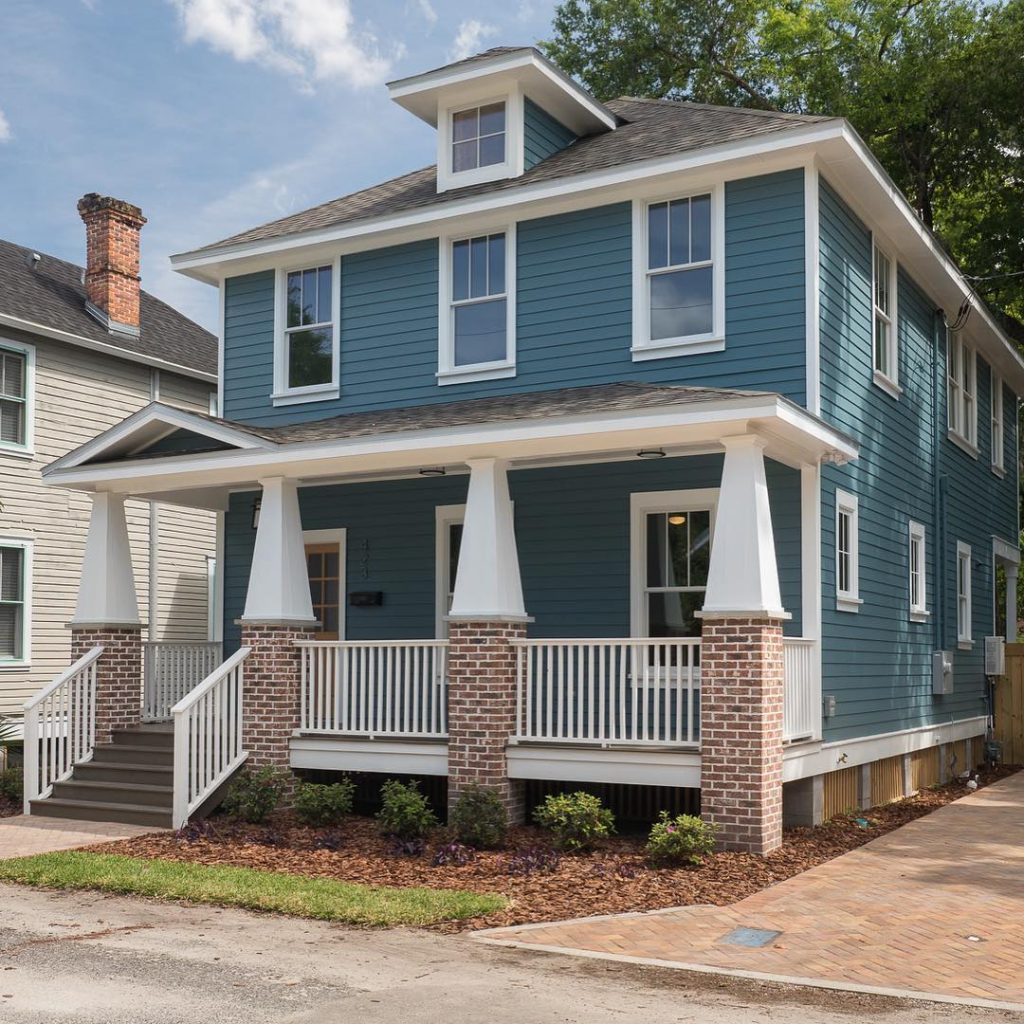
(206,265)
(808,438)
(55,334)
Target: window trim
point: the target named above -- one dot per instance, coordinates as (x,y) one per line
(447,371)
(26,450)
(959,350)
(965,641)
(642,504)
(997,422)
(337,536)
(514,162)
(712,341)
(282,394)
(848,600)
(916,534)
(445,517)
(887,379)
(27,548)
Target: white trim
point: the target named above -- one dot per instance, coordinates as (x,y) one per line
(917,536)
(810,572)
(342,753)
(848,600)
(712,341)
(965,640)
(510,167)
(1005,551)
(282,393)
(447,370)
(642,504)
(222,328)
(638,766)
(445,516)
(26,449)
(337,536)
(812,285)
(887,377)
(27,547)
(998,457)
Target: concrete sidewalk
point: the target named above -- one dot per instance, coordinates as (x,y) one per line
(23,836)
(934,909)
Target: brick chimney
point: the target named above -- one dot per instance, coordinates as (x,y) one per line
(112,229)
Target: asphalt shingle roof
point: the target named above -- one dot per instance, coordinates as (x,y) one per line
(53,295)
(648,129)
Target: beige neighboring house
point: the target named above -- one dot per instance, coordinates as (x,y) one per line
(81,349)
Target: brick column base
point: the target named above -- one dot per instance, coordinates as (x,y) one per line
(270,701)
(482,709)
(741,731)
(118,675)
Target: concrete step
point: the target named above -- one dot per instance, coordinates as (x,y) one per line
(95,810)
(145,736)
(131,753)
(125,771)
(132,793)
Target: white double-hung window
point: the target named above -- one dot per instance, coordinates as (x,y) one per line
(477,307)
(678,282)
(306,349)
(15,601)
(964,634)
(847,553)
(16,373)
(962,393)
(885,337)
(998,434)
(918,574)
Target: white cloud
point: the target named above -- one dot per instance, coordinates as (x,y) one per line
(5,128)
(426,8)
(315,40)
(469,38)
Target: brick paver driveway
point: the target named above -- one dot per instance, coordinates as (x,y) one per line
(22,836)
(935,908)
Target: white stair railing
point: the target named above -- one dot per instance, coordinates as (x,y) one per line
(208,736)
(801,719)
(60,727)
(173,669)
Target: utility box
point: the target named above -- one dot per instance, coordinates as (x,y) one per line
(942,672)
(995,656)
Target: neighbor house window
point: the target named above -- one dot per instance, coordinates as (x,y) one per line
(477,315)
(963,594)
(886,342)
(998,437)
(478,137)
(918,574)
(847,554)
(15,374)
(14,598)
(961,391)
(307,349)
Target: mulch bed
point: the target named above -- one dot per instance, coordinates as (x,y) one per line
(614,878)
(8,808)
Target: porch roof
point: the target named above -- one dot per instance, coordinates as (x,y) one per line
(532,428)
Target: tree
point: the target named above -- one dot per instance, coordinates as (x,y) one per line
(934,87)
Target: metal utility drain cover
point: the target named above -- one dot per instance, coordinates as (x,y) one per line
(752,937)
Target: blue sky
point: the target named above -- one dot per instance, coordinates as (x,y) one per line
(215,115)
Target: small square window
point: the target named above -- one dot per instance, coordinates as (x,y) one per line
(478,137)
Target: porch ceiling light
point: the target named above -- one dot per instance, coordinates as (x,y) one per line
(677,520)
(256,505)
(651,453)
(433,471)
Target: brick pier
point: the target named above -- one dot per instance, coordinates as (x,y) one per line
(118,675)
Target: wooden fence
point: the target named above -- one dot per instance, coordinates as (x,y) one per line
(1009,706)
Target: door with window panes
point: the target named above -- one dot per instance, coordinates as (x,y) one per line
(323,563)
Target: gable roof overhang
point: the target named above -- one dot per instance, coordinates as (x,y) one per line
(679,426)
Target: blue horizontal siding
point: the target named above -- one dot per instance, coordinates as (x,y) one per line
(543,135)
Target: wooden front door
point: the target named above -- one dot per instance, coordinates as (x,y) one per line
(324,565)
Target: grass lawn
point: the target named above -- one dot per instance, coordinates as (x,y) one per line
(321,898)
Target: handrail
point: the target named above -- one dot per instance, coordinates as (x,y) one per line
(208,736)
(60,727)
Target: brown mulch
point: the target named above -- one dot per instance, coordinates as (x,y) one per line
(8,808)
(614,878)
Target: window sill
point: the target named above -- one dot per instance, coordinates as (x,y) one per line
(920,616)
(676,347)
(467,375)
(17,452)
(848,604)
(965,645)
(999,472)
(962,443)
(12,666)
(887,384)
(300,397)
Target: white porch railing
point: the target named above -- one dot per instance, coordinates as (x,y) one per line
(635,691)
(802,703)
(375,688)
(60,727)
(172,670)
(208,736)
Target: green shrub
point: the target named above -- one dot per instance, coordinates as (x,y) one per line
(255,793)
(12,785)
(404,812)
(577,820)
(324,805)
(683,839)
(479,818)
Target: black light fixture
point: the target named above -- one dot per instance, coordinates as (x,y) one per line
(651,453)
(256,506)
(433,471)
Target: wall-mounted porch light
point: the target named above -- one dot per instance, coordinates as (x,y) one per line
(256,505)
(651,453)
(433,471)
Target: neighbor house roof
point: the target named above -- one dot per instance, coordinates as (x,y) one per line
(49,295)
(648,129)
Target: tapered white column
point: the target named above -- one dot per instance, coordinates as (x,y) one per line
(487,583)
(743,577)
(278,593)
(106,592)
(1011,604)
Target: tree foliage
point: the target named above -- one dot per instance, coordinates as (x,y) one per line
(935,88)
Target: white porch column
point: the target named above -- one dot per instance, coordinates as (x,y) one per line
(1011,603)
(487,582)
(106,592)
(278,593)
(743,577)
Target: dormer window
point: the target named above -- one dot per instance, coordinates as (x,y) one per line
(478,137)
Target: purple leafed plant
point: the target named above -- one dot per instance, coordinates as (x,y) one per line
(453,854)
(196,830)
(406,847)
(328,841)
(541,860)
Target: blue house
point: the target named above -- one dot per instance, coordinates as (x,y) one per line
(634,444)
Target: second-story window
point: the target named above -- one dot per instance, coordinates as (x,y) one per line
(961,391)
(307,342)
(886,341)
(478,137)
(998,437)
(16,398)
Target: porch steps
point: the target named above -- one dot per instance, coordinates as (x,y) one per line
(128,780)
